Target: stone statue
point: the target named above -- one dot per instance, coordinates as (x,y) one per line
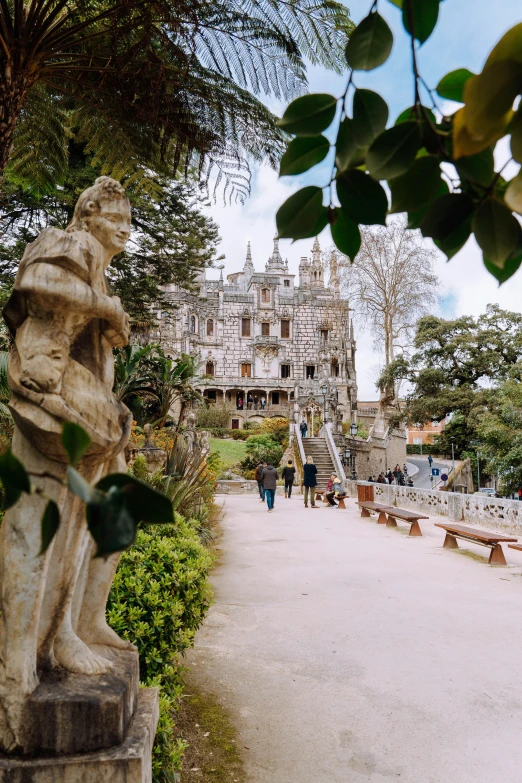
(65,324)
(154,456)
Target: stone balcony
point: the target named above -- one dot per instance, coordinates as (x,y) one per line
(266,339)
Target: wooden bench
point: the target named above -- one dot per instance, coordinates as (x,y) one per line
(518,547)
(476,536)
(388,515)
(321,495)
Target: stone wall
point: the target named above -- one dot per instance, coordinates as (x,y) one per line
(482,511)
(242,487)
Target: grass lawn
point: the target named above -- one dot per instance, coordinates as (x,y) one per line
(231,452)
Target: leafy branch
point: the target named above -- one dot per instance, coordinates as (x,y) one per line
(439,169)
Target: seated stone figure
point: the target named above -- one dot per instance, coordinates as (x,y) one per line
(65,324)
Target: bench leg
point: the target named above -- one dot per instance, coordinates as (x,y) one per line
(450,542)
(415,529)
(325,499)
(341,503)
(497,556)
(392,522)
(382,518)
(365,512)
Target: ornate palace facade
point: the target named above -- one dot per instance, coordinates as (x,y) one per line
(266,341)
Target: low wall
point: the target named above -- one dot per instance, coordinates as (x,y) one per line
(495,513)
(242,487)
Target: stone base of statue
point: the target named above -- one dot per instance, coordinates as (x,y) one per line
(87,729)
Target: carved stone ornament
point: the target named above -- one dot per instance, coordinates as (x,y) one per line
(64,323)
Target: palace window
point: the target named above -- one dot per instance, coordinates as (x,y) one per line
(211,395)
(275,398)
(285,329)
(309,370)
(210,327)
(265,329)
(209,368)
(246,370)
(286,283)
(285,371)
(265,296)
(235,424)
(335,368)
(245,327)
(324,335)
(193,324)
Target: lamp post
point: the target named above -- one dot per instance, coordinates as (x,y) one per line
(419,427)
(353,433)
(324,390)
(477,452)
(453,461)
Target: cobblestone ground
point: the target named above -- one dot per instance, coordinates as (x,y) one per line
(348,652)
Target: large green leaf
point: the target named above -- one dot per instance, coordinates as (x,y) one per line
(393,152)
(362,198)
(516,136)
(511,266)
(478,168)
(112,523)
(303,153)
(301,214)
(14,478)
(513,195)
(451,86)
(370,43)
(75,441)
(370,115)
(79,486)
(416,216)
(419,17)
(417,187)
(148,505)
(496,231)
(50,524)
(346,234)
(309,115)
(345,145)
(447,219)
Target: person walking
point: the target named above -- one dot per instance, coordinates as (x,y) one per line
(288,476)
(309,481)
(256,402)
(304,428)
(270,477)
(430,461)
(263,403)
(337,489)
(258,475)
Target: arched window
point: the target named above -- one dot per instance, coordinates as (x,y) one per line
(209,369)
(210,328)
(265,295)
(193,324)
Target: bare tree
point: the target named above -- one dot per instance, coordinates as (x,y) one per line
(391,284)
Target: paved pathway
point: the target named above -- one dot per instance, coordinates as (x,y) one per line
(422,478)
(348,652)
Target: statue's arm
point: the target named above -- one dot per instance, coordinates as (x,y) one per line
(57,288)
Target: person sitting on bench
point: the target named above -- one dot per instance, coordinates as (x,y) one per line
(337,489)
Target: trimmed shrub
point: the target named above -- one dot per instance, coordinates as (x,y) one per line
(427,448)
(214,416)
(158,601)
(278,429)
(262,448)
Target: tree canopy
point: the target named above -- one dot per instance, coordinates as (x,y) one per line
(171,241)
(161,84)
(439,167)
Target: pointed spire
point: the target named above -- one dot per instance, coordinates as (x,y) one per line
(275,262)
(249,266)
(316,252)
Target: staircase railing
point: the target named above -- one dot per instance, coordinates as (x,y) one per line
(299,452)
(326,432)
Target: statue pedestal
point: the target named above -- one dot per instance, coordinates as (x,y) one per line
(88,729)
(129,762)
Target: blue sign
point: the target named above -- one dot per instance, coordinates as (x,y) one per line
(444,477)
(435,471)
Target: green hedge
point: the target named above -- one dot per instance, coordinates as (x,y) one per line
(427,448)
(158,601)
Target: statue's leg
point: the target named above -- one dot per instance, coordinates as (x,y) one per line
(24,573)
(93,590)
(58,644)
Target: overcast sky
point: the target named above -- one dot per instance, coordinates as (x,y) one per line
(466,31)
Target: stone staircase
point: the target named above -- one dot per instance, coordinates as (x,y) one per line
(318,450)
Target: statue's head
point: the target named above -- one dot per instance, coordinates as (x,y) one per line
(104,211)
